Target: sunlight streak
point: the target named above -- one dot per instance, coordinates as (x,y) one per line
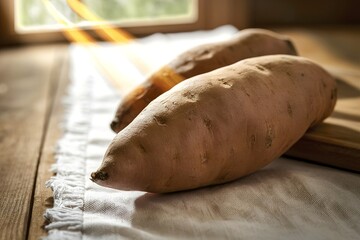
(133,51)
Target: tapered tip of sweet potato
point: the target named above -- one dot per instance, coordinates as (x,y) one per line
(99,175)
(114,125)
(128,109)
(124,117)
(133,104)
(291,47)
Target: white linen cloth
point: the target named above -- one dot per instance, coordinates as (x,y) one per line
(288,199)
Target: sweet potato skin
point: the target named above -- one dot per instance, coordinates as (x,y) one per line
(247,43)
(219,126)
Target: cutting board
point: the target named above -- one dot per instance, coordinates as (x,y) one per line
(335,142)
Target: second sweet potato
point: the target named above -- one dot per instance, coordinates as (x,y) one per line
(246,44)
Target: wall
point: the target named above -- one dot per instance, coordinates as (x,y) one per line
(304,12)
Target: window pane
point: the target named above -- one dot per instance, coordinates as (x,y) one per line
(32,14)
(139,9)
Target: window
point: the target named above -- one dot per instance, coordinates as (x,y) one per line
(34,15)
(30,21)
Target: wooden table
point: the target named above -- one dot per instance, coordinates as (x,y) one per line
(33,81)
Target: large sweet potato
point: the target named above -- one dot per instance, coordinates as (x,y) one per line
(219,126)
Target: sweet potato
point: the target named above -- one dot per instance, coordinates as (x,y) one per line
(219,126)
(247,43)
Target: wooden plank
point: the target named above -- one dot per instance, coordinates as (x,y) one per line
(43,196)
(24,100)
(336,142)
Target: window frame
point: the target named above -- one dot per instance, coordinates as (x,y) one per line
(211,14)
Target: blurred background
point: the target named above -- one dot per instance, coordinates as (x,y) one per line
(30,21)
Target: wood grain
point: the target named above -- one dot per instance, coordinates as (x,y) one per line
(24,102)
(43,196)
